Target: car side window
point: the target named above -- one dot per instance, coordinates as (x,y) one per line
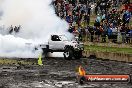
(55,38)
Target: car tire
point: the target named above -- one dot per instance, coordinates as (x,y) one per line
(68,53)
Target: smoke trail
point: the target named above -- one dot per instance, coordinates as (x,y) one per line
(38,21)
(16,47)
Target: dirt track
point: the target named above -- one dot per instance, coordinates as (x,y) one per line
(60,73)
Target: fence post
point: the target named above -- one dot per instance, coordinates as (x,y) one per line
(107,39)
(123,37)
(119,38)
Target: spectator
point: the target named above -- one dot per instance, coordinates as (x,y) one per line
(126,17)
(98,20)
(110,31)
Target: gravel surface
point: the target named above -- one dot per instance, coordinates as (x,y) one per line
(60,73)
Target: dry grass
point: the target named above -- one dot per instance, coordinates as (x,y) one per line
(15,62)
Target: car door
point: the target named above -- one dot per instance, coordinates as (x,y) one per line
(56,43)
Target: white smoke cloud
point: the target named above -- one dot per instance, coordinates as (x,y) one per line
(38,21)
(11,46)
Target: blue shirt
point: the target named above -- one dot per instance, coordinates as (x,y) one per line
(109,31)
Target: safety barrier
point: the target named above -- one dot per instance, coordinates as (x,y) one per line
(109,55)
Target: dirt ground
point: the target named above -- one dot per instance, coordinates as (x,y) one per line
(60,73)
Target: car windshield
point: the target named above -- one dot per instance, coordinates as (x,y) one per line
(64,38)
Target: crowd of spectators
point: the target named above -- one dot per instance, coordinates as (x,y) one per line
(110,21)
(75,12)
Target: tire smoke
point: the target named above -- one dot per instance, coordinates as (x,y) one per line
(38,21)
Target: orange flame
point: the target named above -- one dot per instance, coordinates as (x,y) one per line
(81,71)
